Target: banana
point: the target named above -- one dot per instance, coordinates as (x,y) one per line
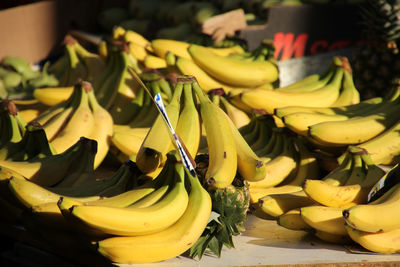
(241,73)
(207,83)
(358,129)
(138,51)
(136,38)
(339,175)
(308,167)
(327,219)
(13,124)
(138,221)
(333,238)
(79,125)
(249,165)
(94,63)
(375,217)
(222,165)
(189,125)
(349,94)
(269,100)
(277,204)
(31,194)
(348,110)
(76,70)
(152,152)
(48,170)
(168,243)
(102,128)
(154,62)
(238,116)
(52,96)
(384,148)
(292,220)
(381,242)
(299,122)
(279,168)
(311,82)
(30,114)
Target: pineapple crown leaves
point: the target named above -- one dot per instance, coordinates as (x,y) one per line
(381,19)
(229,208)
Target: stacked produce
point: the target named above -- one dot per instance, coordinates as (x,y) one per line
(183,20)
(18,79)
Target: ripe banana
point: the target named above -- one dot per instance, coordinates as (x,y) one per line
(349,94)
(292,220)
(52,96)
(241,73)
(277,204)
(138,221)
(381,242)
(152,153)
(102,128)
(375,217)
(222,150)
(269,100)
(168,243)
(327,219)
(238,116)
(79,125)
(189,125)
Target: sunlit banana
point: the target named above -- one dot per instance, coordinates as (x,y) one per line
(381,242)
(157,143)
(327,219)
(168,243)
(240,74)
(54,95)
(269,100)
(238,117)
(222,165)
(292,220)
(79,125)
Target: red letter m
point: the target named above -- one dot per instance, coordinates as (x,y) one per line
(289,47)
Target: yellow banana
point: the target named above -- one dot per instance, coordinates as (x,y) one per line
(154,62)
(357,129)
(168,243)
(349,94)
(130,140)
(152,153)
(249,165)
(138,221)
(269,100)
(79,125)
(349,110)
(327,219)
(222,150)
(292,220)
(102,128)
(279,168)
(136,38)
(52,96)
(238,73)
(381,242)
(258,192)
(277,204)
(238,116)
(138,51)
(375,217)
(189,125)
(332,238)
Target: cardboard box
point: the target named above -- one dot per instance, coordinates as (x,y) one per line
(34,31)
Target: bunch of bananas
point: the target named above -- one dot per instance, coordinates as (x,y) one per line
(78,116)
(18,79)
(318,205)
(232,69)
(374,225)
(75,65)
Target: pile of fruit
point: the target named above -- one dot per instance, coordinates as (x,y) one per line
(306,155)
